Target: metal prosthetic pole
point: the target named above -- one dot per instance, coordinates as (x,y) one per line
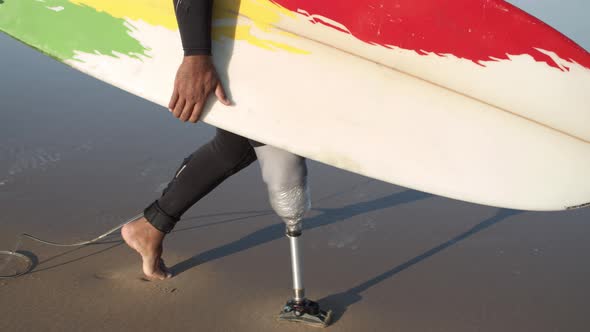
(296,266)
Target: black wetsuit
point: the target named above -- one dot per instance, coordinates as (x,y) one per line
(194,23)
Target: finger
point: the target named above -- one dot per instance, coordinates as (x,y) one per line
(173,99)
(187,111)
(220,93)
(179,107)
(197,110)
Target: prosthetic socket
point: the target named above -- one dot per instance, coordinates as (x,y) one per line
(291,204)
(285,175)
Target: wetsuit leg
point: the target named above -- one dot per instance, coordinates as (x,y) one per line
(200,173)
(285,175)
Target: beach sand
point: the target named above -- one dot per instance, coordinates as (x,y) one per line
(78,156)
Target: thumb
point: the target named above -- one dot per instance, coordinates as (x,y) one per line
(220,93)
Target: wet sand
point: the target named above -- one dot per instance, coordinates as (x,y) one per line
(78,157)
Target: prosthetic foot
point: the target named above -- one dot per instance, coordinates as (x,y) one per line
(299,309)
(307,312)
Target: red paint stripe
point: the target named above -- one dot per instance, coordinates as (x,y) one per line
(478,30)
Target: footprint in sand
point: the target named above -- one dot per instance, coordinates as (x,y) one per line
(157,286)
(107,275)
(170,290)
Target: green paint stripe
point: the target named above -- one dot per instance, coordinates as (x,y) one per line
(61,33)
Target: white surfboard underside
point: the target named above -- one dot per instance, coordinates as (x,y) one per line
(353,113)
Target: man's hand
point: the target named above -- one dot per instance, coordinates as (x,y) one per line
(195,80)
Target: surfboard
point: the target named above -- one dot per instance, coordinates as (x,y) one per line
(474,100)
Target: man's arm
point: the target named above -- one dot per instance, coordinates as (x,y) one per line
(196,77)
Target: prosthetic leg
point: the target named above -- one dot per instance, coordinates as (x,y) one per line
(286,177)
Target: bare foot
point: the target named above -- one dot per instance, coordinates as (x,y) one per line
(147,241)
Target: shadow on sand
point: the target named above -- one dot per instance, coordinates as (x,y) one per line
(340,302)
(277,231)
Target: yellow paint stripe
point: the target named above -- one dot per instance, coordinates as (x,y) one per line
(154,12)
(161,12)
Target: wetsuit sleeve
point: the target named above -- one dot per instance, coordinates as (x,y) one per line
(194,23)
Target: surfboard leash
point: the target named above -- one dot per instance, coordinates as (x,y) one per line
(29,263)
